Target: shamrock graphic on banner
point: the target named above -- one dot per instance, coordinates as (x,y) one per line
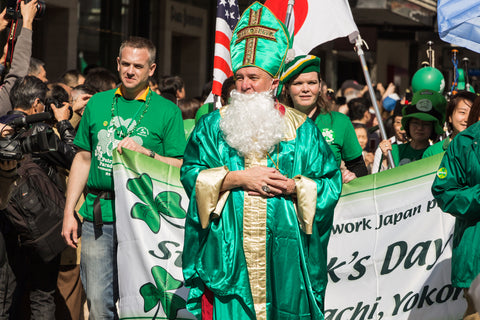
(150,208)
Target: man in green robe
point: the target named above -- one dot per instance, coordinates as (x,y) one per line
(263,184)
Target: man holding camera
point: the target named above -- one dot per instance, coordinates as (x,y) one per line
(23,50)
(28,97)
(30,268)
(133,117)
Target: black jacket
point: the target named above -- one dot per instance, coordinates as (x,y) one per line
(62,158)
(66,150)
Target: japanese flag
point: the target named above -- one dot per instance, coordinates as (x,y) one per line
(314,22)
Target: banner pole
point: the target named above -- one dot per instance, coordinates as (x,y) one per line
(358,45)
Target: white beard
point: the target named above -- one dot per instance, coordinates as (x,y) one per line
(252,125)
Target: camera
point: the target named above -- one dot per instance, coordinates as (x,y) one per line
(340,101)
(13,9)
(57,104)
(15,146)
(57,96)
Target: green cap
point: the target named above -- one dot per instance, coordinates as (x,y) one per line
(427,105)
(259,40)
(428,78)
(299,65)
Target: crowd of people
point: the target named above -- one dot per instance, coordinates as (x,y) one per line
(263,173)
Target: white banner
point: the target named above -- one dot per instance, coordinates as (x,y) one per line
(389,251)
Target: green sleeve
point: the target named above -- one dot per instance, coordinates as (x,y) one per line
(396,153)
(321,167)
(452,188)
(351,148)
(433,150)
(174,137)
(429,152)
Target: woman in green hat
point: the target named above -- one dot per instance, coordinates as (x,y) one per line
(302,82)
(422,121)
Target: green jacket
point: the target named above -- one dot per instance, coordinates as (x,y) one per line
(457,191)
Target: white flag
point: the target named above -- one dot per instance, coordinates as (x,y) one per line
(316,21)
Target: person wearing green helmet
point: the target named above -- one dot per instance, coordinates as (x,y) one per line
(458,109)
(301,79)
(428,78)
(422,121)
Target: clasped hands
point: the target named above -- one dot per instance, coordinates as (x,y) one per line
(265,182)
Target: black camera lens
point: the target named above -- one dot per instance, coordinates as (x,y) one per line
(13,9)
(41,7)
(43,141)
(10,149)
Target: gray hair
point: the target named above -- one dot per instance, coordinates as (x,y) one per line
(35,65)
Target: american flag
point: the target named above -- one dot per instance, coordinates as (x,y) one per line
(227,18)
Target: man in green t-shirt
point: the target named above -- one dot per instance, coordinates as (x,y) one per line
(133,117)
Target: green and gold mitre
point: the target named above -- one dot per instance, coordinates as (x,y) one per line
(259,40)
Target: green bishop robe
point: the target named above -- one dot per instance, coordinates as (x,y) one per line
(261,258)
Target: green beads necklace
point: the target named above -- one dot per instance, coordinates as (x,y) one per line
(120,130)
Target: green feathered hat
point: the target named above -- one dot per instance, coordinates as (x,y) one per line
(259,40)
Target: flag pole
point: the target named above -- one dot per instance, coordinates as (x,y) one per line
(215,100)
(287,24)
(289,14)
(358,45)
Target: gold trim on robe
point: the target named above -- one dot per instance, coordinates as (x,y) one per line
(294,120)
(306,202)
(210,201)
(255,244)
